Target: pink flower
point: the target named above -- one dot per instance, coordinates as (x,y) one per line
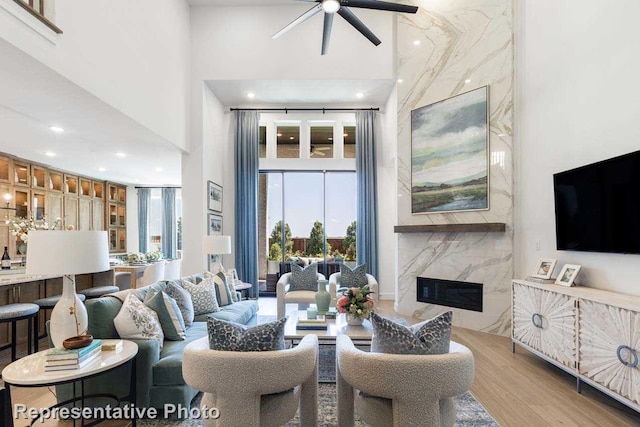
(369,303)
(343,302)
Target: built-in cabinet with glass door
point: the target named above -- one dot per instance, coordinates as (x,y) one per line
(29,190)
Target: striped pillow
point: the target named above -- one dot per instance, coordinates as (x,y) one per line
(223,294)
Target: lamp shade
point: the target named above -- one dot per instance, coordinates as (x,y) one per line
(216,245)
(67,252)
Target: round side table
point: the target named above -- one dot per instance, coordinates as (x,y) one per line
(243,288)
(29,372)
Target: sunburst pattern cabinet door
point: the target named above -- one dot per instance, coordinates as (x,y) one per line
(545,321)
(610,347)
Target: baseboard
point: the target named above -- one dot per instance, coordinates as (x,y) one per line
(388,296)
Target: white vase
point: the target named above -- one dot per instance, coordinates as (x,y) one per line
(63,321)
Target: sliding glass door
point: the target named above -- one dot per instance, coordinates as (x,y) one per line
(308,216)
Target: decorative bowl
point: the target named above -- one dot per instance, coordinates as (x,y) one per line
(77,342)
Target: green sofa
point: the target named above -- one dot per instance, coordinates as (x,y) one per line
(158,371)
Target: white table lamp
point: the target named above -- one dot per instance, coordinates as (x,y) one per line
(216,245)
(67,253)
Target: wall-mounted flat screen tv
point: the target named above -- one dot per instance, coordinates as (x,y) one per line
(598,206)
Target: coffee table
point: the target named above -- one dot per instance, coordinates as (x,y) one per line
(338,326)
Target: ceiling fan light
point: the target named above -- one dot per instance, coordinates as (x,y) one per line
(331,6)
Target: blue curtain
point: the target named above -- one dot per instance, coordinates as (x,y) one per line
(367,190)
(246,208)
(144,204)
(169,223)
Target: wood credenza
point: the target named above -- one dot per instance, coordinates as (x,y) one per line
(590,333)
(20,288)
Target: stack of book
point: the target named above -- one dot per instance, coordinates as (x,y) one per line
(332,313)
(312,324)
(63,360)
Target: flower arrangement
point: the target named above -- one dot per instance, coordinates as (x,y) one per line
(356,303)
(20,227)
(136,257)
(153,256)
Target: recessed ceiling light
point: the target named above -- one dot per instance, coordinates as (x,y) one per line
(137,180)
(49,154)
(159,169)
(345,134)
(292,138)
(400,80)
(278,134)
(102,169)
(330,139)
(251,95)
(360,95)
(416,42)
(467,81)
(56,129)
(121,154)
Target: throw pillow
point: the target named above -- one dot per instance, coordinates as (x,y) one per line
(229,336)
(203,297)
(219,280)
(355,278)
(169,315)
(303,279)
(137,321)
(429,337)
(176,291)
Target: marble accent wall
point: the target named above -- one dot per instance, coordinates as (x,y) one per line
(463,45)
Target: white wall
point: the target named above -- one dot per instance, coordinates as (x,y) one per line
(132,55)
(206,161)
(132,219)
(577,86)
(386,152)
(235,43)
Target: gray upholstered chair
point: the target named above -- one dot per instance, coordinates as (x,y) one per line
(398,389)
(153,273)
(172,269)
(334,283)
(284,296)
(252,388)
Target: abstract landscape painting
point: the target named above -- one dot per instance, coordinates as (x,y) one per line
(449,154)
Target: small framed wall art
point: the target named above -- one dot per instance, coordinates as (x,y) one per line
(568,275)
(544,268)
(214,196)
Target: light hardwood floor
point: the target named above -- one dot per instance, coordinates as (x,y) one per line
(516,389)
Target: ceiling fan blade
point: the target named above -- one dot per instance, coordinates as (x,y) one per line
(352,19)
(308,14)
(326,32)
(379,5)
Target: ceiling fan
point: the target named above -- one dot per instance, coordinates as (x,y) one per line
(318,150)
(341,7)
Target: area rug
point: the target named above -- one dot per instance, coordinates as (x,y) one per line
(469,412)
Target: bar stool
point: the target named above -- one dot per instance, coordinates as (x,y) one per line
(14,312)
(98,291)
(47,304)
(122,279)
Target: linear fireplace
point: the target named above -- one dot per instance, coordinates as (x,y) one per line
(451,293)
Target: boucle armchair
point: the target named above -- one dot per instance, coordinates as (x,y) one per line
(295,297)
(334,283)
(399,389)
(258,388)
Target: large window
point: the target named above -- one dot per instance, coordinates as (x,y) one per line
(311,215)
(156,218)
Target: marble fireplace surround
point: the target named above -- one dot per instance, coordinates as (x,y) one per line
(462,46)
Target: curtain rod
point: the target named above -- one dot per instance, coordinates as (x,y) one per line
(166,186)
(286,110)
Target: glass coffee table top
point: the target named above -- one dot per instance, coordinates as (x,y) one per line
(335,327)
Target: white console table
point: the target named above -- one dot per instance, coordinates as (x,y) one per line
(590,333)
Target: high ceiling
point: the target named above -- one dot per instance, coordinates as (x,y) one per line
(33,97)
(285,93)
(238,2)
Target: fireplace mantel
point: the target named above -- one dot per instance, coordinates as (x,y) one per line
(481,227)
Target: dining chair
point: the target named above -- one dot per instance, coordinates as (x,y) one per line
(172,269)
(153,273)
